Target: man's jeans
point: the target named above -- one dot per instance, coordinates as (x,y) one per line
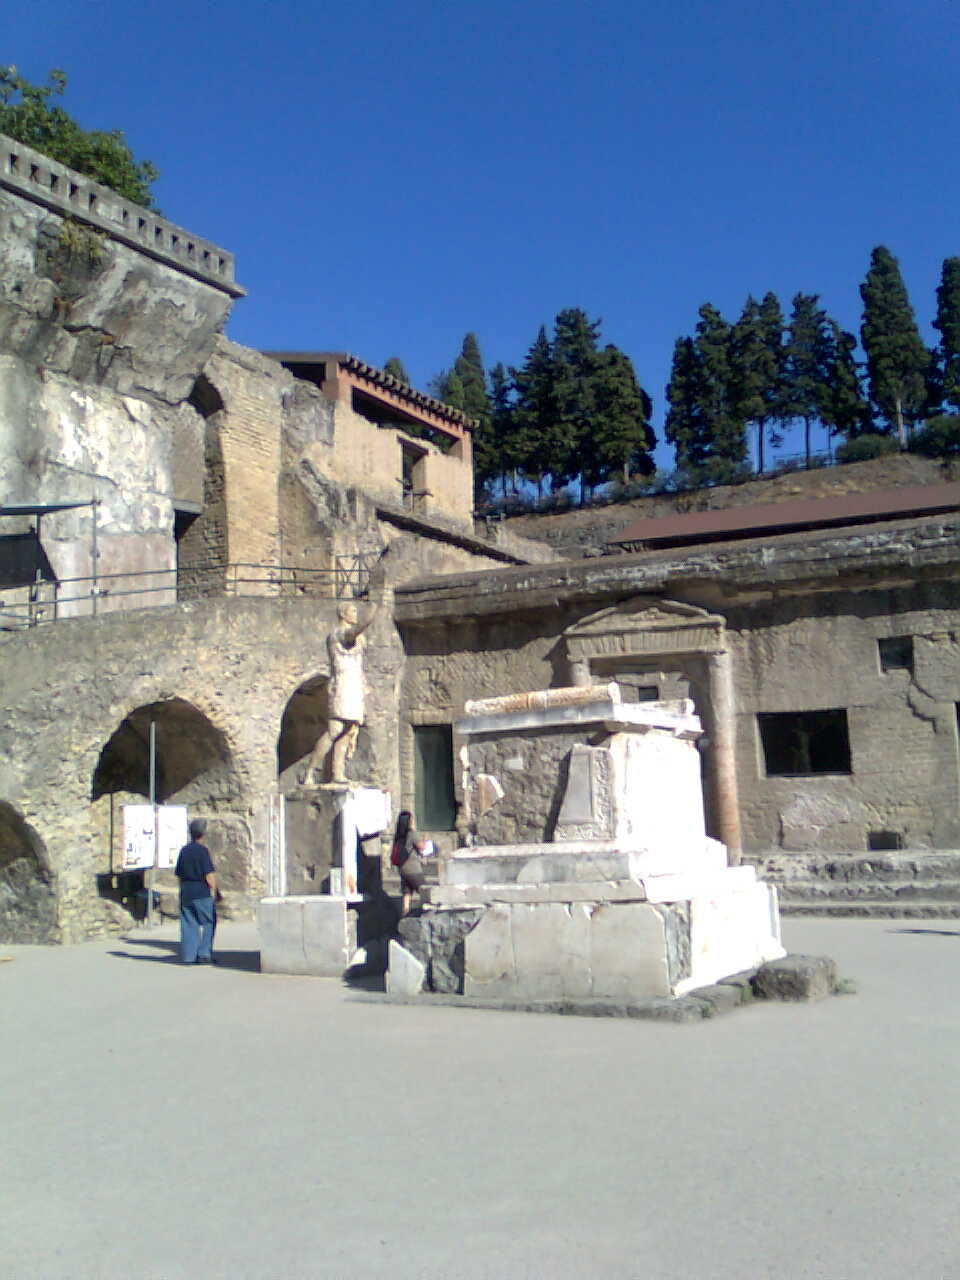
(198,922)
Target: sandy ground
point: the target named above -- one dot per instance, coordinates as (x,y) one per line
(166,1122)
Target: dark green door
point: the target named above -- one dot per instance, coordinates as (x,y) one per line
(433,777)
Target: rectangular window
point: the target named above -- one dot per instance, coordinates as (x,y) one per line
(434,805)
(896,653)
(884,841)
(796,743)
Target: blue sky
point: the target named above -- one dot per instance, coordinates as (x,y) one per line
(393,175)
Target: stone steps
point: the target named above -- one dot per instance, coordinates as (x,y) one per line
(911,884)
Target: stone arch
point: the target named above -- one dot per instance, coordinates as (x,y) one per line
(195,767)
(28,910)
(302,724)
(202,545)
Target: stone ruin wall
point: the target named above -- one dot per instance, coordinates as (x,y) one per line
(206,664)
(104,327)
(814,650)
(806,653)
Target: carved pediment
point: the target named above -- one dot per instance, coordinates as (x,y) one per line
(645,624)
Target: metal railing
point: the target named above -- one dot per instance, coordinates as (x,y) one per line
(50,601)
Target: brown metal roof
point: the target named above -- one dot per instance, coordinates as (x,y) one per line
(790,517)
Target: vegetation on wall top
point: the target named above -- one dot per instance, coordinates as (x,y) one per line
(29,114)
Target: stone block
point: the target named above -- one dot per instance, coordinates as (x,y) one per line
(436,938)
(405,973)
(308,934)
(329,935)
(734,927)
(489,966)
(796,978)
(551,949)
(280,927)
(628,951)
(722,998)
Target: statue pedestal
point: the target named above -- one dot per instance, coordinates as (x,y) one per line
(306,934)
(311,929)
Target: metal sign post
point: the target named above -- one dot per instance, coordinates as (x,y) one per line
(149,872)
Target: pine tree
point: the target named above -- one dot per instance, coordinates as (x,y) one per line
(622,437)
(804,370)
(495,445)
(897,360)
(947,324)
(394,367)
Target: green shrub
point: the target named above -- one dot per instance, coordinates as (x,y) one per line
(869,445)
(938,437)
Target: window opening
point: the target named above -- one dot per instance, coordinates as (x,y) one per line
(896,653)
(434,803)
(884,841)
(804,742)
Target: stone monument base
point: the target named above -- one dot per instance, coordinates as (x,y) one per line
(592,940)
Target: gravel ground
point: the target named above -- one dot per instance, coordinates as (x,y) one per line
(164,1122)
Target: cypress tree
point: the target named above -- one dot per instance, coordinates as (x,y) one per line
(453,393)
(840,401)
(469,369)
(897,360)
(947,324)
(394,367)
(757,369)
(805,352)
(686,425)
(575,364)
(622,436)
(724,428)
(535,414)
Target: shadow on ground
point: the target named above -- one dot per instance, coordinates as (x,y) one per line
(939,933)
(167,951)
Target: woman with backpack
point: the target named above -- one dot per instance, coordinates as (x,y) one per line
(405,856)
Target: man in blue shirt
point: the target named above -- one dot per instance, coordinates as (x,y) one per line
(198,885)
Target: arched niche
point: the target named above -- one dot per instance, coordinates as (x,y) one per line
(195,768)
(28,910)
(302,725)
